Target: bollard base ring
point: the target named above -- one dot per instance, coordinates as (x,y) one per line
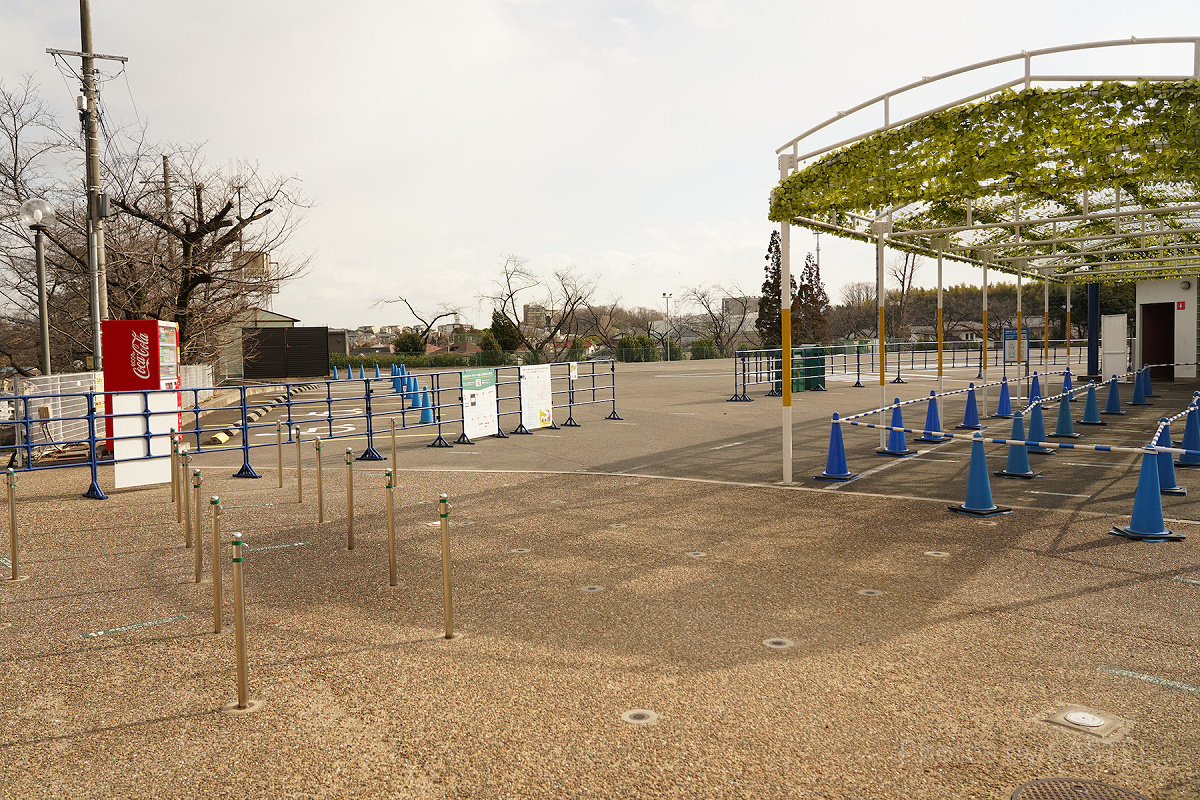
(1167,535)
(251,707)
(17,579)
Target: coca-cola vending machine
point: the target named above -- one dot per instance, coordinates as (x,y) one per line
(141,381)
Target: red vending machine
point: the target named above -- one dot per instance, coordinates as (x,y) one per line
(141,355)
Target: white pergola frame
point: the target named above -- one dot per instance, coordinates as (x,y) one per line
(985,244)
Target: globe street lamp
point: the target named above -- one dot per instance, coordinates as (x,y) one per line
(667,339)
(37,215)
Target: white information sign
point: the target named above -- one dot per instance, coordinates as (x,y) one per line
(479,403)
(537,403)
(153,464)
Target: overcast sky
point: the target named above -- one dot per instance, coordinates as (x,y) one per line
(632,139)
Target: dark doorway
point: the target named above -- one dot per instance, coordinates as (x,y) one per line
(1158,339)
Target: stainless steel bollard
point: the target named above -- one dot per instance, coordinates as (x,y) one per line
(391,530)
(196,509)
(239,624)
(14,546)
(447,599)
(299,468)
(349,499)
(218,620)
(320,484)
(185,461)
(393,444)
(279,449)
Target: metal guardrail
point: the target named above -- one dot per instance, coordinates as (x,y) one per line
(324,407)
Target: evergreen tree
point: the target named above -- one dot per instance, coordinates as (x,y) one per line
(769,309)
(810,306)
(505,332)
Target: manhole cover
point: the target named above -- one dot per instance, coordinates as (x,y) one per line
(617,525)
(696,554)
(640,716)
(936,554)
(1070,789)
(1084,719)
(779,644)
(870,592)
(519,550)
(591,589)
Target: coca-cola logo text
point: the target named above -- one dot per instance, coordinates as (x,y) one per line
(139,355)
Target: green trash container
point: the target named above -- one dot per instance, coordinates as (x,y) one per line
(814,367)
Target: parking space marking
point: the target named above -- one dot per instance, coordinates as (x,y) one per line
(723,446)
(133,627)
(1188,581)
(1056,494)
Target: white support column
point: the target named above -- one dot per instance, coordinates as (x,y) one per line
(787,162)
(983,356)
(941,245)
(882,228)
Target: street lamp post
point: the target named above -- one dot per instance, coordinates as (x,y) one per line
(37,215)
(667,338)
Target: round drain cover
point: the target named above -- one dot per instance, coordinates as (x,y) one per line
(617,525)
(1070,789)
(779,644)
(1083,719)
(519,550)
(870,592)
(591,588)
(936,554)
(640,716)
(696,554)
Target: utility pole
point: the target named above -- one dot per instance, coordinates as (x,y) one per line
(96,200)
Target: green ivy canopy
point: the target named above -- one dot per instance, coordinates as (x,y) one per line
(1095,182)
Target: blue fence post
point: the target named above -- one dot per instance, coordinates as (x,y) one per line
(370,454)
(246,471)
(329,403)
(196,412)
(288,387)
(571,423)
(614,414)
(435,395)
(94,491)
(28,423)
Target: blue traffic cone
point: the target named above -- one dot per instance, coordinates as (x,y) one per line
(1067,390)
(1037,431)
(362,372)
(1004,407)
(401,369)
(1139,389)
(1191,438)
(1018,456)
(979,488)
(335,373)
(1146,387)
(836,468)
(1166,462)
(1091,409)
(414,392)
(933,423)
(1146,523)
(897,443)
(1035,388)
(1113,404)
(426,407)
(377,371)
(971,415)
(1065,429)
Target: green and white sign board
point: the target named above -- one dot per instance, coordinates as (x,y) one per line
(537,404)
(479,403)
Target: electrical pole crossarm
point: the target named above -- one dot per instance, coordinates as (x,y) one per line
(54,52)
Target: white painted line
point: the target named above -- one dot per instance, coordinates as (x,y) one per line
(133,627)
(1056,494)
(942,460)
(274,546)
(1124,673)
(1104,466)
(893,461)
(723,446)
(682,413)
(1186,580)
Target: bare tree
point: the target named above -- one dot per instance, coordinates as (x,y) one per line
(856,317)
(903,270)
(167,257)
(723,312)
(603,321)
(563,296)
(427,321)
